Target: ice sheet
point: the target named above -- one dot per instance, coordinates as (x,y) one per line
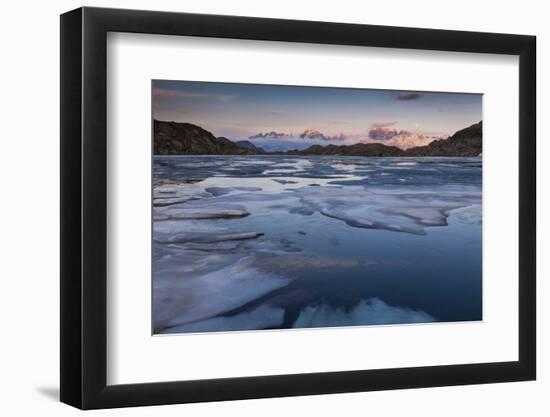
(243,242)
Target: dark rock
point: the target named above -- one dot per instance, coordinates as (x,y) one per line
(465,142)
(359,149)
(171,138)
(249,145)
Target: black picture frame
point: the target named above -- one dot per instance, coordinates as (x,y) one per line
(84,207)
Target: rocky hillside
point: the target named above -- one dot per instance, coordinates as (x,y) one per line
(359,149)
(249,145)
(171,138)
(465,142)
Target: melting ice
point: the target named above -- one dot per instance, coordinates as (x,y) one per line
(265,242)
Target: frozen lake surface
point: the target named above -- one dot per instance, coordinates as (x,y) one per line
(270,242)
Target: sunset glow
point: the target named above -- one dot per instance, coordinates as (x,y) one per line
(287,117)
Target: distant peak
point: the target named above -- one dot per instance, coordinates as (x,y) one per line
(311,133)
(273,134)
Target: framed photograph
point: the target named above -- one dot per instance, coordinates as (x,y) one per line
(258,208)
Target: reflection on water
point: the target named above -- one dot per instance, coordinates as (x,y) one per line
(266,242)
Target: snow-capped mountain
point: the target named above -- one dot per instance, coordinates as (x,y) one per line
(401,138)
(390,136)
(273,135)
(311,133)
(385,133)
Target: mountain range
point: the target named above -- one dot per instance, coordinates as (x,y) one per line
(401,138)
(278,141)
(272,135)
(309,133)
(174,138)
(465,142)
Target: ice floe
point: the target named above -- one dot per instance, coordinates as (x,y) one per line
(399,210)
(236,239)
(217,191)
(468,215)
(290,166)
(203,213)
(366,312)
(159,202)
(180,299)
(283,181)
(406,164)
(262,317)
(206,237)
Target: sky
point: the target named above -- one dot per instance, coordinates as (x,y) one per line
(238,111)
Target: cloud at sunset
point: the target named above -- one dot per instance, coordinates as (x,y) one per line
(313,115)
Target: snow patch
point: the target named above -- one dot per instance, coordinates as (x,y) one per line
(366,312)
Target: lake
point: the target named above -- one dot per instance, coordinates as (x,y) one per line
(273,242)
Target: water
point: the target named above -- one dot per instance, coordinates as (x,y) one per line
(266,242)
